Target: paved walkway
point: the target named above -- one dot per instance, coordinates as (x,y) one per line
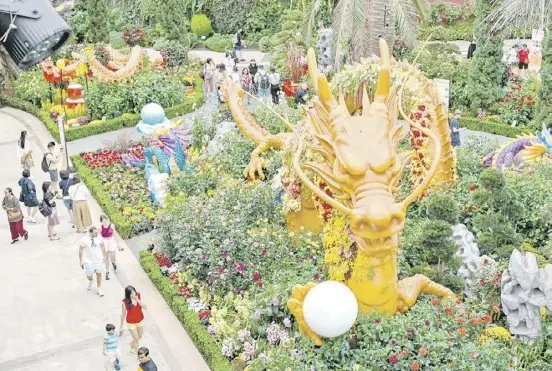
(48,321)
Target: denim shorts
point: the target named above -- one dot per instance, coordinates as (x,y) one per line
(264,92)
(54,175)
(68,203)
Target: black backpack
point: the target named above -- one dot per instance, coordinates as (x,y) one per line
(44,164)
(265,82)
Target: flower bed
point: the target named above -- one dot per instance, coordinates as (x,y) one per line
(121,192)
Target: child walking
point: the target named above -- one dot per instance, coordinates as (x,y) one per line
(111,346)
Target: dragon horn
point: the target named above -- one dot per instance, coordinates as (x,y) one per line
(314,72)
(384,82)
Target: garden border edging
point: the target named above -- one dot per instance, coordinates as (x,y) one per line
(189,319)
(492,127)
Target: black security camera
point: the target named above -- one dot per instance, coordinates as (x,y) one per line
(32,30)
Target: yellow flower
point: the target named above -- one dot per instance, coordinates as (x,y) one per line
(499,333)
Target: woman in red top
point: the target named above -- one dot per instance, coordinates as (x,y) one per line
(523,56)
(132,312)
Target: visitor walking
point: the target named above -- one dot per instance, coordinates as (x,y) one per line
(263,82)
(131,312)
(91,258)
(28,195)
(64,185)
(146,363)
(24,151)
(481,114)
(239,44)
(49,210)
(209,71)
(246,82)
(236,76)
(455,128)
(253,68)
(523,57)
(51,158)
(111,346)
(513,56)
(274,78)
(10,203)
(79,195)
(472,48)
(229,63)
(110,245)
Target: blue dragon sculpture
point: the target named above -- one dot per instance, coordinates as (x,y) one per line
(521,150)
(161,149)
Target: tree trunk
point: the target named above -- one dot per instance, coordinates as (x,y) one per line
(382,16)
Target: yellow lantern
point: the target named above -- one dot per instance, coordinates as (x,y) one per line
(81,68)
(60,63)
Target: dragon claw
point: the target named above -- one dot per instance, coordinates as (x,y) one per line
(295,305)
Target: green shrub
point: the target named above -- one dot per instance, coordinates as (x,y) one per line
(462,30)
(174,52)
(126,119)
(189,319)
(104,200)
(491,127)
(265,44)
(97,27)
(173,18)
(201,25)
(116,40)
(441,206)
(31,86)
(219,43)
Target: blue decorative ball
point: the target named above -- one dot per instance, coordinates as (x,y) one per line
(152,114)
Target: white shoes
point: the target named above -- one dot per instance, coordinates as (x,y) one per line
(89,287)
(31,220)
(100,292)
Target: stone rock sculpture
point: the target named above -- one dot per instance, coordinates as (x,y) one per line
(468,252)
(525,289)
(325,47)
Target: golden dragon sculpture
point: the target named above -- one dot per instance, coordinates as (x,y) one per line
(434,117)
(358,161)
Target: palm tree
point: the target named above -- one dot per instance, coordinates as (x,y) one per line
(519,14)
(358,24)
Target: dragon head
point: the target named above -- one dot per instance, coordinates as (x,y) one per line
(361,164)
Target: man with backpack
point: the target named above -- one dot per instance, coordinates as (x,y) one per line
(263,82)
(49,164)
(238,43)
(274,78)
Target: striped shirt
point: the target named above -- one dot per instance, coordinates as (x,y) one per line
(111,342)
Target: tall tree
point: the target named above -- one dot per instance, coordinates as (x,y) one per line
(358,25)
(487,70)
(98,28)
(519,15)
(544,101)
(173,19)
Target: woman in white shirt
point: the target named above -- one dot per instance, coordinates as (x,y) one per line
(81,212)
(24,151)
(229,64)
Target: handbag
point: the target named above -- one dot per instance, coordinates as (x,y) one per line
(14,214)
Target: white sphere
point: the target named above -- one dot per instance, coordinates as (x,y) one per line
(330,309)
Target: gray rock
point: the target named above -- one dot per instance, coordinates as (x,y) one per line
(325,48)
(524,290)
(468,252)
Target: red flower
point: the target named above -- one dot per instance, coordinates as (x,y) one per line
(487,318)
(482,282)
(449,311)
(415,366)
(257,276)
(316,277)
(462,331)
(434,301)
(393,359)
(473,188)
(260,284)
(263,252)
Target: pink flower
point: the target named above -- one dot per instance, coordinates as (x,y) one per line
(257,276)
(393,359)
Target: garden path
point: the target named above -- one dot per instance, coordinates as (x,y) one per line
(464,45)
(48,320)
